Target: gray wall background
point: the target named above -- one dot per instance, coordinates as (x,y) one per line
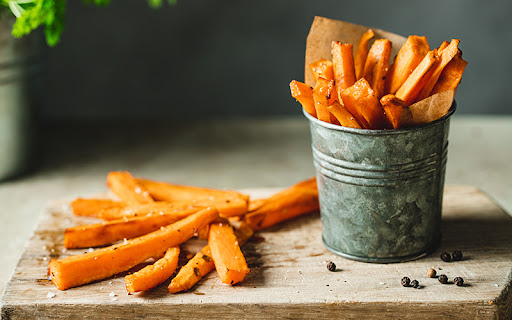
(217,58)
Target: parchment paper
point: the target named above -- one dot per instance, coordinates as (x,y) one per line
(318,46)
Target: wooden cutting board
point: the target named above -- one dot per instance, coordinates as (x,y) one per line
(289,278)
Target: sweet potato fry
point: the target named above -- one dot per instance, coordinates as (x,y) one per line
(443,46)
(444,58)
(124,185)
(362,52)
(100,234)
(376,65)
(92,207)
(360,100)
(255,204)
(228,258)
(344,117)
(411,88)
(321,95)
(407,59)
(343,65)
(299,199)
(176,208)
(393,109)
(322,69)
(451,75)
(152,275)
(229,203)
(201,264)
(100,264)
(304,94)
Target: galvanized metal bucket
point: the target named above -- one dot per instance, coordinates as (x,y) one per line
(380,191)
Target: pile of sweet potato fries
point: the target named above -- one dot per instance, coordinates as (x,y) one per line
(363,91)
(152,219)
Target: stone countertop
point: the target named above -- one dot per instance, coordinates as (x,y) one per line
(234,153)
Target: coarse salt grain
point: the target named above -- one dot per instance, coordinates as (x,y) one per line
(64,250)
(112,294)
(114,299)
(50,295)
(52,250)
(162,228)
(90,250)
(125,241)
(45,258)
(138,190)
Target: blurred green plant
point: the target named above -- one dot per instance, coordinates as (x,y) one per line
(30,14)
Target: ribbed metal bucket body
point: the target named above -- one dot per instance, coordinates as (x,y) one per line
(380,191)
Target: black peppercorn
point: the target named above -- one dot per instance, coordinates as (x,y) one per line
(457,255)
(331,266)
(443,278)
(445,256)
(406,281)
(459,281)
(415,283)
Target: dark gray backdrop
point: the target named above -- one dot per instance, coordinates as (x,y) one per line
(217,58)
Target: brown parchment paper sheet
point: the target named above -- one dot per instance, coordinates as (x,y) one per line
(318,46)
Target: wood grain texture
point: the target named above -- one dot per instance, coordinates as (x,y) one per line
(289,278)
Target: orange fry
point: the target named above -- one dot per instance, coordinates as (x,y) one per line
(99,234)
(443,46)
(226,254)
(152,275)
(297,200)
(360,100)
(176,208)
(344,117)
(411,88)
(376,65)
(444,58)
(362,52)
(451,75)
(80,269)
(229,203)
(124,185)
(407,59)
(322,68)
(92,207)
(393,109)
(321,95)
(201,264)
(304,94)
(343,65)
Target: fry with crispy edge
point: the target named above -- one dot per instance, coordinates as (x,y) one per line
(444,58)
(299,199)
(344,117)
(80,269)
(321,95)
(393,108)
(201,264)
(360,100)
(411,88)
(322,69)
(376,65)
(229,203)
(443,46)
(343,66)
(124,185)
(362,52)
(304,94)
(178,208)
(92,207)
(226,254)
(410,55)
(154,274)
(451,75)
(100,234)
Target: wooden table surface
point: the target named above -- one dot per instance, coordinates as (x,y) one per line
(222,153)
(289,277)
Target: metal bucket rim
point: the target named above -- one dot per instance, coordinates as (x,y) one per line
(381,132)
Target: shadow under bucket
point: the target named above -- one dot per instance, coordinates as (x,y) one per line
(380,191)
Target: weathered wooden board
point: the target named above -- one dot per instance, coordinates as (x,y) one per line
(289,278)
